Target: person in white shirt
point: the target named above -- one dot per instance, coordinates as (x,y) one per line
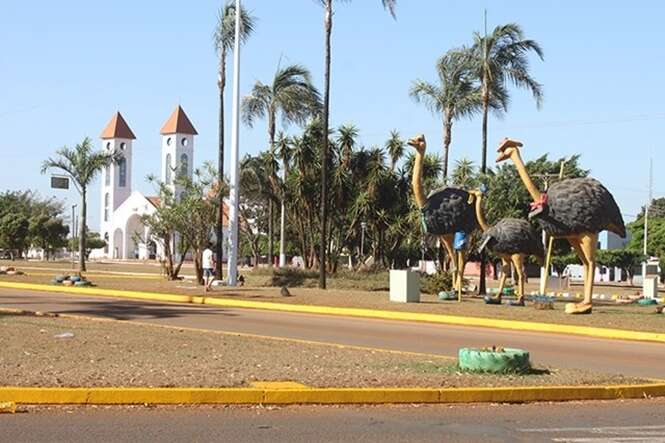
(208,265)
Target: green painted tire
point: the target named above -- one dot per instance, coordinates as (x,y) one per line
(479,360)
(647,301)
(447,295)
(60,278)
(82,283)
(508,291)
(75,278)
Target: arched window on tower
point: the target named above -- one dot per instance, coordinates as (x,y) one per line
(184,165)
(106,207)
(168,169)
(122,172)
(107,175)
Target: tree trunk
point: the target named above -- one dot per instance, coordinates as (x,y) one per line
(271,204)
(220,164)
(324,156)
(447,134)
(82,229)
(482,286)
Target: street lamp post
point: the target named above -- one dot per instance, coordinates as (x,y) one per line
(73,233)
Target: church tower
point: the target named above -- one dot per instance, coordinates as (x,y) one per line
(117,177)
(177,149)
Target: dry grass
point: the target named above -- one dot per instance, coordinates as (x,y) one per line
(112,353)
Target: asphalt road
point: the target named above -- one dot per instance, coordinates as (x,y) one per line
(589,422)
(628,358)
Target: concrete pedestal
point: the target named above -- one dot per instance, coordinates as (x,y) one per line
(404,286)
(650,287)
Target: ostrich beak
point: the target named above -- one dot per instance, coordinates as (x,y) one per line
(412,142)
(503,155)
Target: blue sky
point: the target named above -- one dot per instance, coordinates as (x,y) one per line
(65,67)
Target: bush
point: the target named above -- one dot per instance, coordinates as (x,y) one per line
(435,283)
(292,277)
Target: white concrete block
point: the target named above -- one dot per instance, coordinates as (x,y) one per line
(404,286)
(650,287)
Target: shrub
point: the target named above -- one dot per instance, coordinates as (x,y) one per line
(435,283)
(292,277)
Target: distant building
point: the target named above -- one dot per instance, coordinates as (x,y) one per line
(609,240)
(121,208)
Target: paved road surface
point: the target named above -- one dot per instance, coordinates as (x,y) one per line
(590,422)
(629,358)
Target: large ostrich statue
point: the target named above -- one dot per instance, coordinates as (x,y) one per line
(511,239)
(576,209)
(444,211)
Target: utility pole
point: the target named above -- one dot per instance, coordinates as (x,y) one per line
(646,210)
(235,167)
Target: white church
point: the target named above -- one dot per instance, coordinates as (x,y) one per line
(121,207)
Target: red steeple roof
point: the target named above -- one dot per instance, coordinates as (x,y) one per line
(178,123)
(117,128)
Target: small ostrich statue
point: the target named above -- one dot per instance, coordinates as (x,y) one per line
(576,209)
(511,239)
(445,211)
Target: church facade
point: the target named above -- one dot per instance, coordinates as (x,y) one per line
(121,206)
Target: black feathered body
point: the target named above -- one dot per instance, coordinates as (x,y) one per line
(580,205)
(513,236)
(448,211)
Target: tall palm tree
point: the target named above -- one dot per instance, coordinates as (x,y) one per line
(81,164)
(346,139)
(454,96)
(224,39)
(498,59)
(292,95)
(389,5)
(464,174)
(395,147)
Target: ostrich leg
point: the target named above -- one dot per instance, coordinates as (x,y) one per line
(589,244)
(578,244)
(518,262)
(505,268)
(447,241)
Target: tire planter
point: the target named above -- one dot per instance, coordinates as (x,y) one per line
(647,301)
(75,278)
(497,362)
(82,283)
(447,295)
(68,283)
(508,291)
(60,278)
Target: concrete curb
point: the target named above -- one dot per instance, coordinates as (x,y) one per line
(286,396)
(606,333)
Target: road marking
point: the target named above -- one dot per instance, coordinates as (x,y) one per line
(618,434)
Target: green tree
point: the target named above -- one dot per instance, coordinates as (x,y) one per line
(48,233)
(81,164)
(453,97)
(292,95)
(14,234)
(625,259)
(94,241)
(498,59)
(224,40)
(464,174)
(395,147)
(328,22)
(346,140)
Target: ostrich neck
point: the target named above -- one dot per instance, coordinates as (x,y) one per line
(524,175)
(417,180)
(480,215)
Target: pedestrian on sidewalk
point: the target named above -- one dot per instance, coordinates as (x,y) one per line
(208,265)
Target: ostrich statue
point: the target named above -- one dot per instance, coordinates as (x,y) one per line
(576,209)
(511,239)
(445,211)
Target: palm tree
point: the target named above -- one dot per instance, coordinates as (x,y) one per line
(464,174)
(290,94)
(224,39)
(81,164)
(499,58)
(327,23)
(346,139)
(395,147)
(453,97)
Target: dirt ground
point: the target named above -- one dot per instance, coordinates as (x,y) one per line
(113,353)
(606,314)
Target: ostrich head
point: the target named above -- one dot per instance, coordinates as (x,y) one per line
(418,143)
(507,148)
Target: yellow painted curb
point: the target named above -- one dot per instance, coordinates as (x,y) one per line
(589,331)
(194,396)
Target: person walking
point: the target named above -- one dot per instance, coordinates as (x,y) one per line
(208,265)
